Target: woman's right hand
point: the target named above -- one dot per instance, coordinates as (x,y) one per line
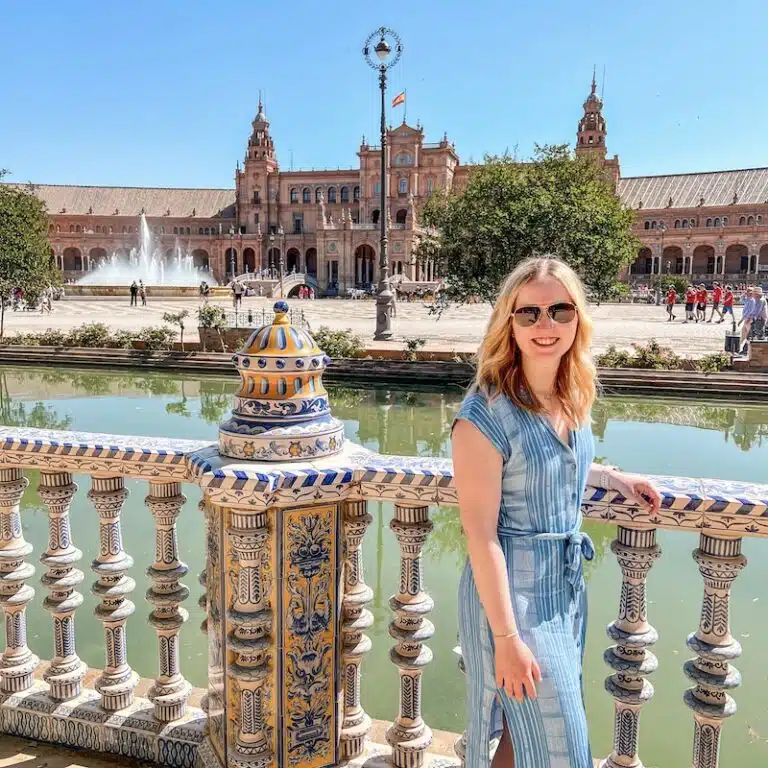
(517,671)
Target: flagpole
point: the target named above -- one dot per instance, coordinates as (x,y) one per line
(405,104)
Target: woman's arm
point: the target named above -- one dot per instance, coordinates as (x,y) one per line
(477,468)
(634,488)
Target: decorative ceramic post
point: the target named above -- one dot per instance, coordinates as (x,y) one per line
(118,681)
(409,736)
(720,561)
(18,663)
(273,567)
(356,619)
(66,671)
(170,692)
(635,551)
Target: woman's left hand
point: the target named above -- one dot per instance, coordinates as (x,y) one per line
(638,489)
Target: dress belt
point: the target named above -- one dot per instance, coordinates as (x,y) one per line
(578,547)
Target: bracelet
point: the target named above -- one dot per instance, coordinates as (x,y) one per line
(605,477)
(507,635)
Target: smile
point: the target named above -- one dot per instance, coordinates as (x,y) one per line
(545,342)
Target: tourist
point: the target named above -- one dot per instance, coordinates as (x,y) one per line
(690,299)
(746,315)
(671,299)
(143,293)
(717,295)
(205,291)
(134,293)
(728,306)
(759,314)
(701,304)
(522,454)
(237,294)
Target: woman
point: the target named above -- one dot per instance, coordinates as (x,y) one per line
(522,452)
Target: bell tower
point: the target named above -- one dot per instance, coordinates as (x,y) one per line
(590,138)
(256,184)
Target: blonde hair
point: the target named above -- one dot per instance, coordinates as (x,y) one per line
(499,369)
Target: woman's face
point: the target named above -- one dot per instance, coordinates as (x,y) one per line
(546,339)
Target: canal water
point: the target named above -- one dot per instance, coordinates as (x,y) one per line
(697,439)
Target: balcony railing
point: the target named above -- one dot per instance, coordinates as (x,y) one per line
(271,540)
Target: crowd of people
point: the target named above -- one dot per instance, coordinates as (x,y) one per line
(720,301)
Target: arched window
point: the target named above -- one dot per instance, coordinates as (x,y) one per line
(306,195)
(402,186)
(125,230)
(356,194)
(404,158)
(431,187)
(759,219)
(750,220)
(294,195)
(717,221)
(111,229)
(375,216)
(58,228)
(725,221)
(345,194)
(71,227)
(189,231)
(200,231)
(331,194)
(318,194)
(685,223)
(401,216)
(647,225)
(709,223)
(162,230)
(78,228)
(742,221)
(377,188)
(653,225)
(677,223)
(590,140)
(693,222)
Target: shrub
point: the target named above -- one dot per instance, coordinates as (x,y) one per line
(156,337)
(88,335)
(52,337)
(412,347)
(613,358)
(718,361)
(338,343)
(211,316)
(122,339)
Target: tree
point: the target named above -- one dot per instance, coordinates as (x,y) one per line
(177,318)
(25,254)
(510,210)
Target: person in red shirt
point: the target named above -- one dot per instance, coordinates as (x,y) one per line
(717,295)
(728,306)
(701,304)
(671,299)
(690,299)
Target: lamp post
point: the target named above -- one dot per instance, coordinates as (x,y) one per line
(663,229)
(232,252)
(281,235)
(387,51)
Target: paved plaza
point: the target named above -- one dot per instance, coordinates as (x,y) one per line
(459,329)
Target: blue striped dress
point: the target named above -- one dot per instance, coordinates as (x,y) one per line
(543,482)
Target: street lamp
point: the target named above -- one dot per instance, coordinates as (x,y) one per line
(387,50)
(281,235)
(663,230)
(232,251)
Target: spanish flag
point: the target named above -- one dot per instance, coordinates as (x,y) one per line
(399,99)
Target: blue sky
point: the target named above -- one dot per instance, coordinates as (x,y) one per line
(162,94)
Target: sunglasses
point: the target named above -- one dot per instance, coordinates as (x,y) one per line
(562,313)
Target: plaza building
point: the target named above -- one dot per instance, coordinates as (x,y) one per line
(324,224)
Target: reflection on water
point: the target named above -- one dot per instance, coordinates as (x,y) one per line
(647,435)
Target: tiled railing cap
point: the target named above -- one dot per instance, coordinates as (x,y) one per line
(727,507)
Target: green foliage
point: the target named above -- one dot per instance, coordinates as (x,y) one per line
(89,335)
(338,343)
(25,254)
(122,339)
(510,210)
(655,356)
(412,347)
(678,282)
(52,337)
(211,316)
(177,318)
(156,337)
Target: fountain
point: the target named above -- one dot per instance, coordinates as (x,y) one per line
(149,264)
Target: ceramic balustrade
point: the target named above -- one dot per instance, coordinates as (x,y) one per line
(284,587)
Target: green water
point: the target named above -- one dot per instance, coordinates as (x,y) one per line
(658,436)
